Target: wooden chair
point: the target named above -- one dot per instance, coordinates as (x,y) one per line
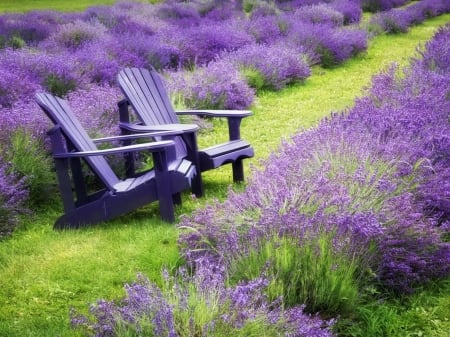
(70,143)
(145,92)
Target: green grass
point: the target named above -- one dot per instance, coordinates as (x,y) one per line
(43,273)
(19,6)
(313,273)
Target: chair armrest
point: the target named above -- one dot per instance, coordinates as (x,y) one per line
(234,118)
(216,113)
(152,147)
(134,136)
(160,130)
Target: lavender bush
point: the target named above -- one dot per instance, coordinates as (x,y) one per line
(330,46)
(199,305)
(381,5)
(75,35)
(265,29)
(13,195)
(30,28)
(350,9)
(270,67)
(391,22)
(218,85)
(321,14)
(367,174)
(203,43)
(399,20)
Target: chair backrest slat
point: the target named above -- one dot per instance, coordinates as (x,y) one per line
(62,115)
(147,95)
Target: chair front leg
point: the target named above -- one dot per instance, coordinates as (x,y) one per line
(190,140)
(162,176)
(234,127)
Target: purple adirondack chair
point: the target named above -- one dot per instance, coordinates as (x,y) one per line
(145,92)
(71,144)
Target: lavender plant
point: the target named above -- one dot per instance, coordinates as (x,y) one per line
(218,85)
(96,109)
(199,305)
(13,194)
(391,22)
(270,66)
(381,5)
(350,175)
(202,44)
(180,13)
(30,163)
(350,9)
(330,46)
(320,14)
(294,266)
(30,28)
(265,29)
(74,35)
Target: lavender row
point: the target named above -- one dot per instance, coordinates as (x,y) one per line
(62,52)
(397,20)
(374,179)
(374,175)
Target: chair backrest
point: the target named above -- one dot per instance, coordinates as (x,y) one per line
(62,116)
(147,95)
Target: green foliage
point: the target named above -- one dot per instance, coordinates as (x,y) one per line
(17,42)
(29,159)
(248,5)
(253,77)
(59,86)
(423,314)
(310,272)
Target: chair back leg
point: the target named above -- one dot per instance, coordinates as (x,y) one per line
(238,171)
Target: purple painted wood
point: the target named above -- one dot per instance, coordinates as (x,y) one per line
(71,143)
(145,92)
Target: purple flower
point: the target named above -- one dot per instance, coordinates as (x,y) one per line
(219,85)
(278,65)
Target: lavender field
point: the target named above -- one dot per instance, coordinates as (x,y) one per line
(356,207)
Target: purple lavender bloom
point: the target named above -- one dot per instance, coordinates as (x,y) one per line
(350,9)
(31,28)
(260,9)
(331,46)
(437,56)
(277,64)
(179,13)
(96,64)
(292,5)
(96,109)
(75,35)
(13,194)
(393,21)
(15,84)
(395,199)
(381,5)
(148,310)
(219,85)
(319,14)
(432,8)
(265,29)
(202,44)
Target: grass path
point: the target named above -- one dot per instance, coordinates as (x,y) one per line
(43,273)
(299,106)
